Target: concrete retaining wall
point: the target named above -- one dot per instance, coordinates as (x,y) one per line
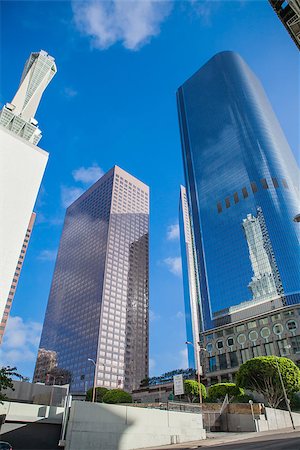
(31,427)
(276,418)
(26,412)
(273,419)
(37,393)
(117,427)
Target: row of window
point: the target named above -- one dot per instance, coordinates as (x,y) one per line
(253,335)
(254,189)
(252,324)
(230,360)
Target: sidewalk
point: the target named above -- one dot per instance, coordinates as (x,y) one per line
(221,438)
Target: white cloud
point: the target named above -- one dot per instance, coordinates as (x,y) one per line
(152,364)
(84,175)
(69,92)
(88,175)
(20,342)
(47,255)
(133,22)
(174,265)
(173,232)
(204,9)
(153,316)
(179,315)
(69,194)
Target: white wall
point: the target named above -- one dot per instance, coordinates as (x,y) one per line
(277,418)
(26,412)
(274,419)
(118,427)
(22,166)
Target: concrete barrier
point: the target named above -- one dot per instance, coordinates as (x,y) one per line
(118,427)
(272,419)
(26,412)
(277,418)
(30,426)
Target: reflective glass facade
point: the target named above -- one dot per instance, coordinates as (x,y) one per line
(98,304)
(242,186)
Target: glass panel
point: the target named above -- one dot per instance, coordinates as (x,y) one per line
(222,362)
(257,351)
(245,192)
(264,183)
(212,363)
(269,348)
(233,359)
(295,341)
(253,187)
(284,348)
(263,321)
(245,354)
(230,342)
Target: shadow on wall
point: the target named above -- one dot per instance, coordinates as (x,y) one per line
(94,426)
(88,431)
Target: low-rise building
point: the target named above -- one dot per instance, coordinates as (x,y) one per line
(272,333)
(160,388)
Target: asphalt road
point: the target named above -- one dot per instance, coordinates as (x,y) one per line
(282,441)
(285,440)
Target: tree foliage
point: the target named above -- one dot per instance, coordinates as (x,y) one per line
(117,396)
(100,392)
(191,390)
(218,391)
(261,375)
(6,374)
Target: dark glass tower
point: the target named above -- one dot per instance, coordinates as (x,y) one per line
(241,179)
(98,303)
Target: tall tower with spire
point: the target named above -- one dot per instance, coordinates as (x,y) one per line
(22,165)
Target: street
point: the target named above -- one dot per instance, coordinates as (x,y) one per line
(282,440)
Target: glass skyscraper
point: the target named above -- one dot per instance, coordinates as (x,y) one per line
(242,193)
(98,303)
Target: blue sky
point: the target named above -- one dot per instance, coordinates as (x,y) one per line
(113,102)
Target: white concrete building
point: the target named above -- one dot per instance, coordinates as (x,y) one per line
(190,280)
(22,165)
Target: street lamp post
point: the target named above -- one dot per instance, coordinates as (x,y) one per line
(198,366)
(94,383)
(285,395)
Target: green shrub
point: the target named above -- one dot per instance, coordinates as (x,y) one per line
(191,391)
(117,396)
(100,392)
(260,374)
(218,391)
(243,399)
